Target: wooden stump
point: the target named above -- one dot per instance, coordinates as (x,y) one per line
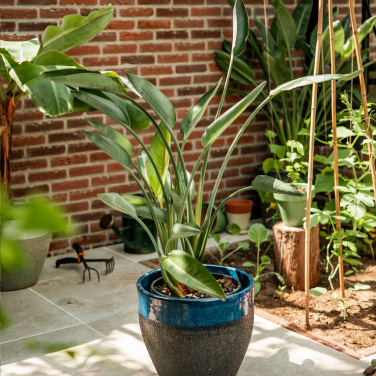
(289,243)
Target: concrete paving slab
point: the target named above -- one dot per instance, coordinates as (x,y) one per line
(30,314)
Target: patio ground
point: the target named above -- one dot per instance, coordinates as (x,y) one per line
(98,323)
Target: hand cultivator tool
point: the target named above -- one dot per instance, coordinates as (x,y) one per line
(110,263)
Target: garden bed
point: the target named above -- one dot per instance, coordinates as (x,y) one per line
(357,332)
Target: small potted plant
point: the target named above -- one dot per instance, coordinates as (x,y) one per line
(184,323)
(238,211)
(293,211)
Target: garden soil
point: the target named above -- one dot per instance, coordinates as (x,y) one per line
(357,332)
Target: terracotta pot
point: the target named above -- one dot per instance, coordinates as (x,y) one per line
(239,211)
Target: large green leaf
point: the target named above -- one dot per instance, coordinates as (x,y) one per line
(240,28)
(103,105)
(144,212)
(155,99)
(56,58)
(22,51)
(286,24)
(85,79)
(301,16)
(325,23)
(159,153)
(76,30)
(309,80)
(117,202)
(141,164)
(113,135)
(240,72)
(266,37)
(184,230)
(363,31)
(214,130)
(138,118)
(196,112)
(339,40)
(258,234)
(190,272)
(268,184)
(277,70)
(111,148)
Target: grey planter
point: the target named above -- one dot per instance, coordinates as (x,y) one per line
(34,246)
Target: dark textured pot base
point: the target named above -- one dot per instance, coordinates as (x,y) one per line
(184,351)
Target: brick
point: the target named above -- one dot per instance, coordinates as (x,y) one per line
(206,34)
(136,12)
(18,13)
(172,12)
(99,156)
(64,137)
(154,24)
(84,50)
(136,35)
(28,141)
(100,61)
(17,179)
(68,160)
(79,2)
(70,185)
(169,81)
(85,194)
(28,164)
(117,2)
(154,2)
(35,2)
(7,2)
(189,46)
(81,147)
(7,26)
(45,150)
(98,204)
(29,115)
(119,49)
(190,68)
(109,179)
(120,25)
(192,90)
(47,175)
(114,167)
(34,26)
(182,24)
(138,59)
(56,12)
(204,12)
(220,23)
(173,34)
(22,192)
(86,170)
(44,126)
(57,245)
(157,70)
(105,36)
(76,207)
(203,57)
(156,47)
(86,217)
(173,58)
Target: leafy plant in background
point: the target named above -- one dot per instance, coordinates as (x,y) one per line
(258,234)
(21,64)
(167,186)
(223,246)
(318,291)
(289,114)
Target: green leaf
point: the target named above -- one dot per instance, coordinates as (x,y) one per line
(117,202)
(268,40)
(144,212)
(357,209)
(135,200)
(214,130)
(343,132)
(248,264)
(159,153)
(240,27)
(76,30)
(257,287)
(190,272)
(21,51)
(278,150)
(363,31)
(280,278)
(268,184)
(111,148)
(184,230)
(270,164)
(113,135)
(359,287)
(196,112)
(301,17)
(234,229)
(85,79)
(243,245)
(325,24)
(265,260)
(286,24)
(258,234)
(141,163)
(318,291)
(309,80)
(12,256)
(103,105)
(276,69)
(324,182)
(155,99)
(58,59)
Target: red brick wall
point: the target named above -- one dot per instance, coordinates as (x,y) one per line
(167,42)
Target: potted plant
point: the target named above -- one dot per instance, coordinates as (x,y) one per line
(238,210)
(171,324)
(294,211)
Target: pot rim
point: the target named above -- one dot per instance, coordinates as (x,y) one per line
(239,206)
(196,301)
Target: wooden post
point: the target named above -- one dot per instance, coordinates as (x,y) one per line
(289,255)
(310,159)
(335,147)
(364,94)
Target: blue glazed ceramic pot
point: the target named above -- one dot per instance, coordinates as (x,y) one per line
(197,337)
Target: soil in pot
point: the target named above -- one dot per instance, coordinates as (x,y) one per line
(357,332)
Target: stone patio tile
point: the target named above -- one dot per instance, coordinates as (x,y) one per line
(277,351)
(38,345)
(29,314)
(93,300)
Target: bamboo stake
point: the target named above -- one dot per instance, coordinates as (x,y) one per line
(310,159)
(364,94)
(335,147)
